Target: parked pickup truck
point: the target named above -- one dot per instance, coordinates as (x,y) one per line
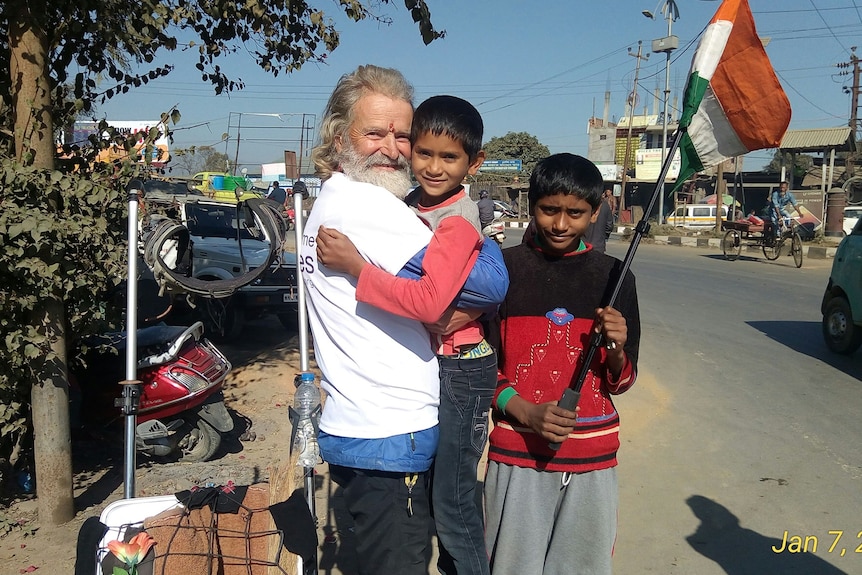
(224,187)
(223,247)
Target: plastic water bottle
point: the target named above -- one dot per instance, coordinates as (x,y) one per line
(25,481)
(306,401)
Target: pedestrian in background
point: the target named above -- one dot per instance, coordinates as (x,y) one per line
(601,228)
(486,209)
(277,194)
(612,201)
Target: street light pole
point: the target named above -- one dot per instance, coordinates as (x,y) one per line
(633,102)
(667,45)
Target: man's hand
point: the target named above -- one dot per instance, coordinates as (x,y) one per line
(452,320)
(337,252)
(549,420)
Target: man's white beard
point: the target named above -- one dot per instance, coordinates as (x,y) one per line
(363,169)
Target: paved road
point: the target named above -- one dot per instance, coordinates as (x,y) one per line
(742,425)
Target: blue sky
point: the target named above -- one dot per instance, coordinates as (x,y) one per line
(541,67)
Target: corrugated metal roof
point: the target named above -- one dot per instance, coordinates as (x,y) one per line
(817,139)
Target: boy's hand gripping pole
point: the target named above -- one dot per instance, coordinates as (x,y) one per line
(570,397)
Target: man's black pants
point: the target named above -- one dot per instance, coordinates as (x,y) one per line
(392,519)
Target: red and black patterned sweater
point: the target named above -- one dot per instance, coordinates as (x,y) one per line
(542,334)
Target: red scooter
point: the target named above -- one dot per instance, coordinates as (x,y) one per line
(181,409)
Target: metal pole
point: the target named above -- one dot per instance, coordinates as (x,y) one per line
(299,193)
(664,116)
(236,156)
(131,385)
(633,98)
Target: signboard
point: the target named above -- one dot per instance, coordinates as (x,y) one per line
(501,166)
(114,152)
(648,165)
(610,172)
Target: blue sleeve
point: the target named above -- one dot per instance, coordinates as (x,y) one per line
(487,284)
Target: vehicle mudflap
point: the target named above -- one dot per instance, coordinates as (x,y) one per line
(216,414)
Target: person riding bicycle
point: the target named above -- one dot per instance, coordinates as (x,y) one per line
(778,207)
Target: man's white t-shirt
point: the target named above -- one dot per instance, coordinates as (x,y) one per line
(379,369)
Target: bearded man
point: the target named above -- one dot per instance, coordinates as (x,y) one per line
(378,431)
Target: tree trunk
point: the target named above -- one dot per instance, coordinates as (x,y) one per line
(34,145)
(31,86)
(52,441)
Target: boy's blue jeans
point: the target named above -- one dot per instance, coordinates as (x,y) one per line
(466,390)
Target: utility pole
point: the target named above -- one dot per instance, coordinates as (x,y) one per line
(854,113)
(667,45)
(854,106)
(632,103)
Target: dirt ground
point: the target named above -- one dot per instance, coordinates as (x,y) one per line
(257,393)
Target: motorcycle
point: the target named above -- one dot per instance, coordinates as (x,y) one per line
(290,218)
(181,405)
(495,230)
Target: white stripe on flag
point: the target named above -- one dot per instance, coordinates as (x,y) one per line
(711,48)
(712,135)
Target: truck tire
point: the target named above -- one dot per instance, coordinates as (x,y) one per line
(839,332)
(224,319)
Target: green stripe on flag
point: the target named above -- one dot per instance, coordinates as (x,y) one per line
(694,93)
(690,162)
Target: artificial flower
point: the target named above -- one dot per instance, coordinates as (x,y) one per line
(133,552)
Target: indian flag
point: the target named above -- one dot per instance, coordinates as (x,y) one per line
(733,102)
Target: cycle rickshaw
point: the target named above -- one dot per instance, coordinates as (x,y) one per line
(788,241)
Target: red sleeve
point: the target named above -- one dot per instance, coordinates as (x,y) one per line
(448,260)
(625,381)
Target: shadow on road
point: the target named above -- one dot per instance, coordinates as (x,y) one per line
(805,337)
(741,258)
(740,551)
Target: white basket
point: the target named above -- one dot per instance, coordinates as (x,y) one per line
(120,515)
(125,513)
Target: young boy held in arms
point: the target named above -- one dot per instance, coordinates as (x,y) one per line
(554,512)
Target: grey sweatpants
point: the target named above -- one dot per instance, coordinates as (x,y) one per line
(550,523)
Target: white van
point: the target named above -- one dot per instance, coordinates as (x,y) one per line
(851,216)
(695,216)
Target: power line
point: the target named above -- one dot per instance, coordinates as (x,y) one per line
(593,61)
(827,26)
(784,82)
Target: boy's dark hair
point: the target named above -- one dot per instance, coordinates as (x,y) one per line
(566,174)
(453,117)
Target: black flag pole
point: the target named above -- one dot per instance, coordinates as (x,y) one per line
(570,397)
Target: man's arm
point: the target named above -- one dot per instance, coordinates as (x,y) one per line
(795,205)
